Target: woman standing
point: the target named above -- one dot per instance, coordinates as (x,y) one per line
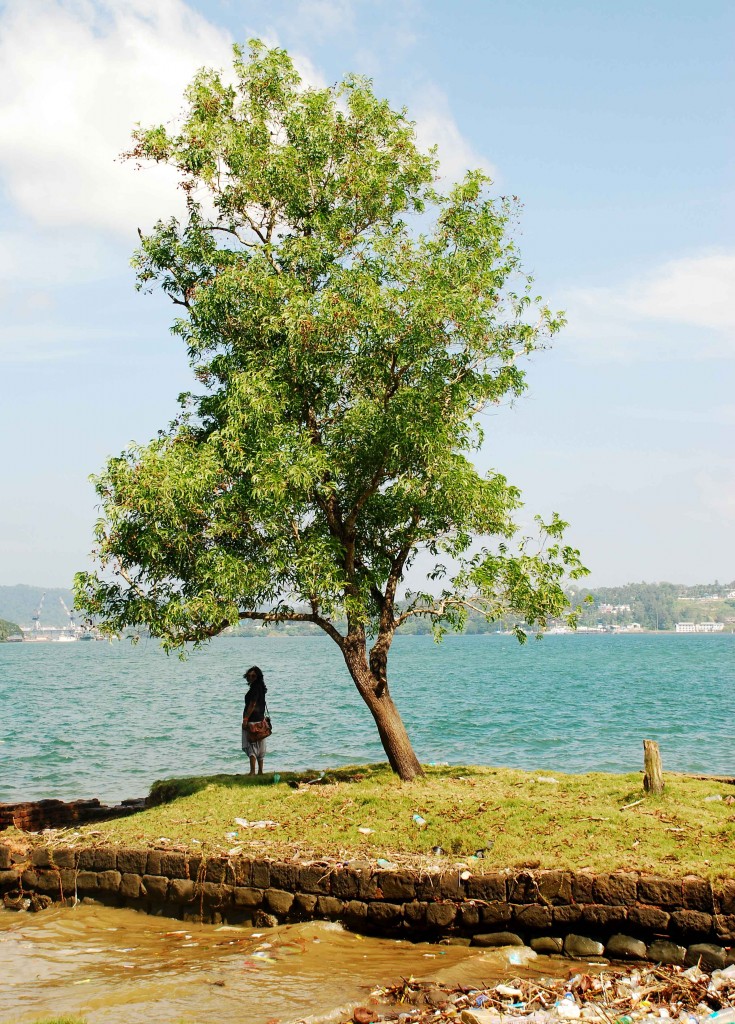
(254,711)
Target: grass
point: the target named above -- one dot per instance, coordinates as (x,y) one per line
(517,818)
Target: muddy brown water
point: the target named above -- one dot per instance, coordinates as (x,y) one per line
(110,965)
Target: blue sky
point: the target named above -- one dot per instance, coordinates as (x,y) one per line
(612,122)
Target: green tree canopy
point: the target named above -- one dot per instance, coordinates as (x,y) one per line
(347,323)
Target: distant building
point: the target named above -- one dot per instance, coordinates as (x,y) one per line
(700,627)
(614,609)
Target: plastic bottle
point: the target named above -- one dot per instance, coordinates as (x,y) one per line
(726,1016)
(567,1008)
(419,820)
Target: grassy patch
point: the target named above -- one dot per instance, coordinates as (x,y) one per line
(516,818)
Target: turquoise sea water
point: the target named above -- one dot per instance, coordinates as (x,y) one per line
(94,719)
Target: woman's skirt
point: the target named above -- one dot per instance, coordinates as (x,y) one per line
(253,748)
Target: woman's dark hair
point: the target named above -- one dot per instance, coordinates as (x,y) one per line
(258,676)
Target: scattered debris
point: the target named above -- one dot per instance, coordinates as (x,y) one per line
(609,996)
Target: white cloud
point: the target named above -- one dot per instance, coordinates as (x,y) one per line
(75,76)
(683,309)
(698,290)
(436,126)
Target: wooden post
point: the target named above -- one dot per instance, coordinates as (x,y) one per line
(653,777)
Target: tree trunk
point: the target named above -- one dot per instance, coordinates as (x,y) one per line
(653,779)
(391,729)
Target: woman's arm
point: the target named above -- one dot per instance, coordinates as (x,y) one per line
(248,712)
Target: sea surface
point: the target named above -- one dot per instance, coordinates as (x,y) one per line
(107,720)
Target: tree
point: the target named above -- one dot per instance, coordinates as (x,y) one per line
(347,323)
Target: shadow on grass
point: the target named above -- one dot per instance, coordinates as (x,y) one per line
(167,790)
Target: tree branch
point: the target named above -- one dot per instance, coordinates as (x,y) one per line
(317,619)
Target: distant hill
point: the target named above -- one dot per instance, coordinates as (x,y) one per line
(8,629)
(19,604)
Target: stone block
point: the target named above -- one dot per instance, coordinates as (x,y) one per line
(355,913)
(619,888)
(41,857)
(98,859)
(68,880)
(278,901)
(725,899)
(396,885)
(130,885)
(314,878)
(582,946)
(153,863)
(367,886)
(87,881)
(555,887)
(284,876)
(625,947)
(173,865)
(155,887)
(5,860)
(329,906)
(469,915)
(487,887)
(216,870)
(133,862)
(496,913)
(599,915)
(493,939)
(444,886)
(664,952)
(689,924)
(215,895)
(414,913)
(440,915)
(725,928)
(196,865)
(523,888)
(243,871)
(662,892)
(345,884)
(109,881)
(65,857)
(262,919)
(697,894)
(261,871)
(707,955)
(181,890)
(304,904)
(566,915)
(246,896)
(9,878)
(582,886)
(648,919)
(384,915)
(532,918)
(41,879)
(546,945)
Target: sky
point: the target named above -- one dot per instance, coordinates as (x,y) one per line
(612,122)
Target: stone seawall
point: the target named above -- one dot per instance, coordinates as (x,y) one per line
(622,914)
(34,815)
